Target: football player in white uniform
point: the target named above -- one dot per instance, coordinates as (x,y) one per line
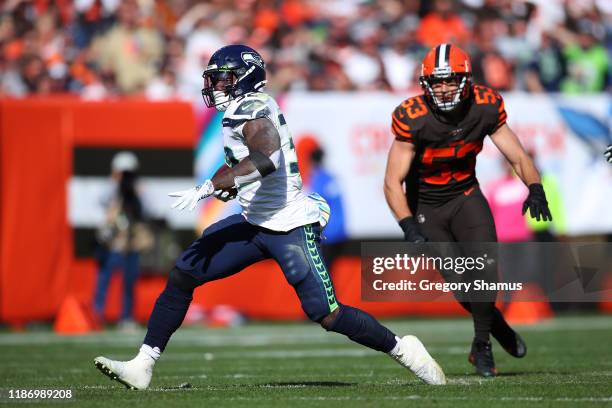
(278,221)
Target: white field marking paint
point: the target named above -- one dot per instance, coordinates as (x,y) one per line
(201,339)
(163,378)
(394,398)
(265,335)
(463,380)
(606,373)
(467,380)
(276,354)
(291,354)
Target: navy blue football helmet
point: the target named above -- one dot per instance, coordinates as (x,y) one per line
(232,71)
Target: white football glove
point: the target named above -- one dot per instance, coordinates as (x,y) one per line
(608,154)
(189,198)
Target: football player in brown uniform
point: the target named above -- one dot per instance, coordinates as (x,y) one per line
(438,135)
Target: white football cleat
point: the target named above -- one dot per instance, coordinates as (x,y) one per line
(134,374)
(413,355)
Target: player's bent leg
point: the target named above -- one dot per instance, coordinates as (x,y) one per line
(168,314)
(473,222)
(360,327)
(510,340)
(364,329)
(225,248)
(170,308)
(299,256)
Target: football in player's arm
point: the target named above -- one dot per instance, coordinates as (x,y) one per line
(263,141)
(278,221)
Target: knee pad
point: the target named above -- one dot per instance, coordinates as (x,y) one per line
(182,280)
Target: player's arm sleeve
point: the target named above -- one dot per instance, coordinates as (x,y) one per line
(499,114)
(400,127)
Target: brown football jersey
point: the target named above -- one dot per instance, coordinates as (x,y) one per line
(445,160)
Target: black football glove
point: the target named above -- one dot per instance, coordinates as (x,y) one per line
(536,203)
(411,230)
(608,154)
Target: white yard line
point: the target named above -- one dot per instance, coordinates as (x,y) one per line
(411,397)
(265,335)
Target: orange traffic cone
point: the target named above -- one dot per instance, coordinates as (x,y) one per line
(73,318)
(525,309)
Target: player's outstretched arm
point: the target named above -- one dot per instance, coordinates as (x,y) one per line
(509,145)
(263,142)
(399,161)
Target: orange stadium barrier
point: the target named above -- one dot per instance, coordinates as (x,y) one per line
(38,136)
(276,299)
(38,271)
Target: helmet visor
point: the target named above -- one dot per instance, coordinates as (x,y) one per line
(217,80)
(446,92)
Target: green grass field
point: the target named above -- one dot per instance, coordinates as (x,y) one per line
(569,364)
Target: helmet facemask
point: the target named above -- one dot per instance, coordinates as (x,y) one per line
(446,100)
(219,87)
(446,78)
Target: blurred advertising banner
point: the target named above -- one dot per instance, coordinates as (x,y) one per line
(485,272)
(566,135)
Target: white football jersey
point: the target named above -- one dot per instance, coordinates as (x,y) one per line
(276,201)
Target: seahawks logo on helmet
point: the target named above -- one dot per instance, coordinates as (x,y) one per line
(252,58)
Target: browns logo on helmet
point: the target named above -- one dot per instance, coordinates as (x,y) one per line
(450,65)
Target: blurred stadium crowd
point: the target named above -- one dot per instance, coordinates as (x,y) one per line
(158,48)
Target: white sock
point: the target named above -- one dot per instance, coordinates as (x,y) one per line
(395,349)
(149,352)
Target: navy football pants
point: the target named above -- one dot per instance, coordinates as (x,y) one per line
(232,244)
